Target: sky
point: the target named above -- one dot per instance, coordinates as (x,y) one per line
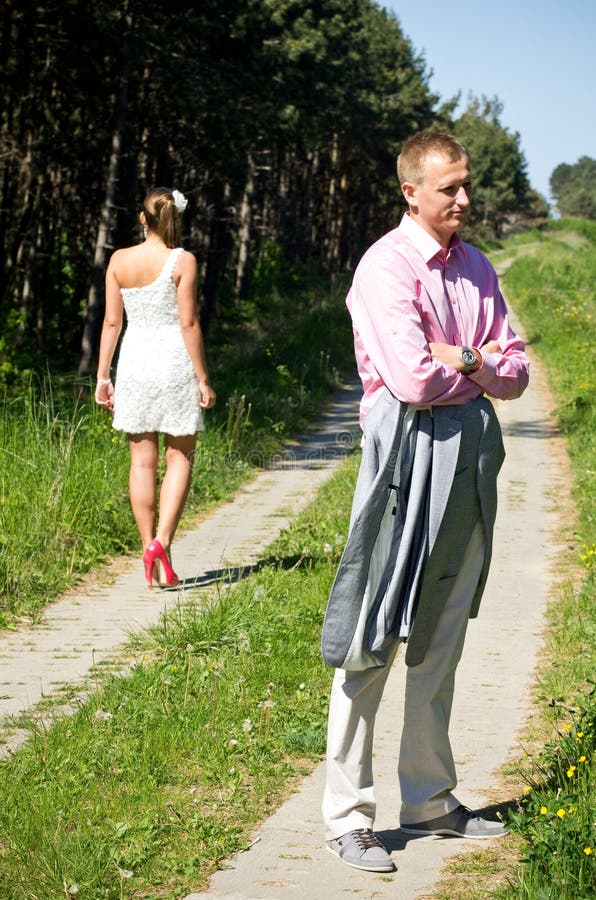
(537,56)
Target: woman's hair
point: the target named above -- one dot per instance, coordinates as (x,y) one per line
(162,217)
(411,162)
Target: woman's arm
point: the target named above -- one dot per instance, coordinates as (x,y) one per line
(110,332)
(186,297)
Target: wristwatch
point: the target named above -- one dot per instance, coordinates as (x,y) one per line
(470,360)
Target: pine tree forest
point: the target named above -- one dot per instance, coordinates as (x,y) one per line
(280,120)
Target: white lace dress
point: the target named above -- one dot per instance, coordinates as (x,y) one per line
(156,388)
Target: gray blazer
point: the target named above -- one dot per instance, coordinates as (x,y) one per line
(426,476)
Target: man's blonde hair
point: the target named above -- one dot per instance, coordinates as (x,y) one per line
(411,162)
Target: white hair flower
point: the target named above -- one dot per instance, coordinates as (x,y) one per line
(180,201)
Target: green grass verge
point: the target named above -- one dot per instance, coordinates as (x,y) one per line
(64,505)
(162,773)
(553,290)
(550,282)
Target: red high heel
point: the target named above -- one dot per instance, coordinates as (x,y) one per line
(148,562)
(156,562)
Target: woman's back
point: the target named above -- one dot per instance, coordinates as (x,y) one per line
(140,265)
(156,386)
(152,305)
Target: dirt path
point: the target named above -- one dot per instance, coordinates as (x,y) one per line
(84,630)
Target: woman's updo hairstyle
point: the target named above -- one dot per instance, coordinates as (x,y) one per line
(162,217)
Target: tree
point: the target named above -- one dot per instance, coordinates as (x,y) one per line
(574,188)
(280,119)
(501,192)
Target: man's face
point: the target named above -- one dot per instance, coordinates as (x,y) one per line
(440,204)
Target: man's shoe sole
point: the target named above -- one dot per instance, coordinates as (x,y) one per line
(383,869)
(450,832)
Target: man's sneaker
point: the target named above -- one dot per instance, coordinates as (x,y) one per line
(362,849)
(461,822)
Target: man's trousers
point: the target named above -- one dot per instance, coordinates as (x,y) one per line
(426,768)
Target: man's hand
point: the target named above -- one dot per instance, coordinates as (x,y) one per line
(448,354)
(491,347)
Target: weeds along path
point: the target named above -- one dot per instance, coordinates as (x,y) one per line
(287,859)
(84,630)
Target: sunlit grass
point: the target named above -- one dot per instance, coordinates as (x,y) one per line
(163,773)
(549,854)
(553,290)
(64,505)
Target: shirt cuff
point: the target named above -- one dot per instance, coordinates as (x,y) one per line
(487,371)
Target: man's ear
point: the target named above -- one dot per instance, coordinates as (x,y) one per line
(409,191)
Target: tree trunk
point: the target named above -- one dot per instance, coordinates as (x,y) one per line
(331,229)
(217,255)
(361,237)
(26,289)
(95,302)
(303,232)
(245,229)
(284,224)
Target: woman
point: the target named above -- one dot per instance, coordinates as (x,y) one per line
(162,382)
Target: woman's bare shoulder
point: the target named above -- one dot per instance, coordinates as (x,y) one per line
(122,254)
(186,264)
(187,258)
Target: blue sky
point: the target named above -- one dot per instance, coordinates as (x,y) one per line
(538,58)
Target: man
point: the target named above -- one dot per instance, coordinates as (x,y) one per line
(431,338)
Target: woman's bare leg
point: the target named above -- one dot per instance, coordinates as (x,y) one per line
(144,454)
(175,485)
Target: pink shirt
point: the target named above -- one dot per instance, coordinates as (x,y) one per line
(406,292)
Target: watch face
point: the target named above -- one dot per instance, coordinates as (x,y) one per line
(468,357)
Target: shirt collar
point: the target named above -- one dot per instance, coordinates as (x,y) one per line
(424,242)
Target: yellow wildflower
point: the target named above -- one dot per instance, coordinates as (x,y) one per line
(582,759)
(561,813)
(588,851)
(543,810)
(571,771)
(566,727)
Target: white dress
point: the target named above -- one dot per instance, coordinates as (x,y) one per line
(156,388)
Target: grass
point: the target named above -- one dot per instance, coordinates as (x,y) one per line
(556,815)
(162,773)
(64,494)
(550,856)
(64,505)
(554,293)
(159,775)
